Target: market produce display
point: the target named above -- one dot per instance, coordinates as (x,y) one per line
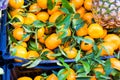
(83,30)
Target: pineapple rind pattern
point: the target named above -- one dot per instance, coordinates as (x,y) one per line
(107,13)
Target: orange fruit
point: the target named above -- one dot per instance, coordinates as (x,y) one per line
(42,3)
(29,18)
(115,63)
(16,12)
(82,31)
(16,3)
(52,77)
(32,54)
(81,11)
(55,9)
(71,75)
(18,34)
(93,78)
(104,33)
(77,3)
(52,41)
(24,78)
(119,47)
(89,51)
(58,2)
(107,48)
(38,78)
(34,8)
(18,24)
(99,68)
(42,39)
(43,16)
(95,30)
(70,52)
(40,32)
(24,44)
(88,4)
(21,52)
(113,38)
(54,16)
(67,34)
(87,46)
(88,17)
(49,54)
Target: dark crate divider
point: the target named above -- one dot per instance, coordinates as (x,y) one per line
(18,71)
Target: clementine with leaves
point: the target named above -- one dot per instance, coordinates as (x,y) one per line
(54,16)
(16,3)
(52,77)
(107,48)
(88,4)
(16,12)
(55,9)
(34,8)
(49,54)
(43,16)
(99,68)
(93,78)
(113,38)
(77,3)
(19,23)
(20,51)
(38,78)
(87,46)
(42,39)
(29,18)
(24,44)
(71,52)
(52,41)
(115,63)
(18,34)
(88,17)
(24,78)
(71,74)
(42,3)
(40,32)
(104,33)
(81,11)
(82,31)
(32,54)
(95,30)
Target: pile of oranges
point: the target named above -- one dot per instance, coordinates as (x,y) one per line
(51,29)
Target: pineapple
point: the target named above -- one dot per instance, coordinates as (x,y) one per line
(107,13)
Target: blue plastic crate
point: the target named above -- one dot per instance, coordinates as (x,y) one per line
(3,34)
(3,47)
(3,40)
(6,54)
